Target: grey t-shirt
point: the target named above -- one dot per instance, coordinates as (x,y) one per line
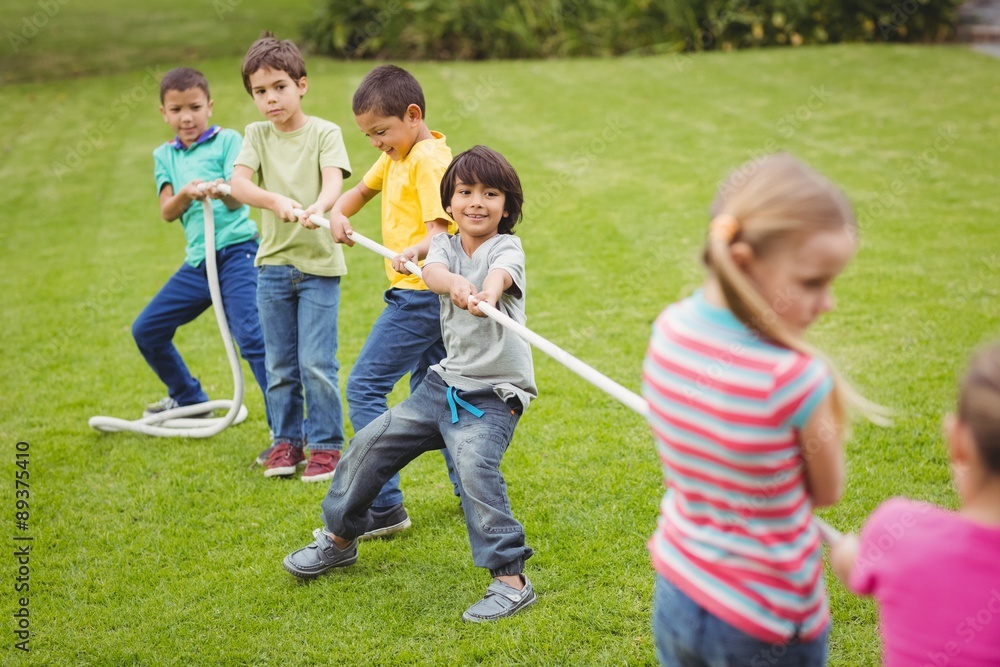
(481,352)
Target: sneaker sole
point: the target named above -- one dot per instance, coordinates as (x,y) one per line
(387,531)
(312,574)
(280,472)
(319,478)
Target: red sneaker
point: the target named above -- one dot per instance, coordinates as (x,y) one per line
(322,464)
(283,460)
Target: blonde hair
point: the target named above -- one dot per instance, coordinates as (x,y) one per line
(979,404)
(766,203)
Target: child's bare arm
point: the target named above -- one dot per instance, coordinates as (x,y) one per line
(440,280)
(248,192)
(418,251)
(822,441)
(231,202)
(347,205)
(497,282)
(173,206)
(333,185)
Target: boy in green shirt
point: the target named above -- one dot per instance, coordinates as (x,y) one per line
(300,163)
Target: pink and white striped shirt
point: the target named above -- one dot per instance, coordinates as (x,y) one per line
(735,531)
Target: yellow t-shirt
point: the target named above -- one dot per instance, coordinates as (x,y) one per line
(411,196)
(291,164)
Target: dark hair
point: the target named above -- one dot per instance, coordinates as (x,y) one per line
(387,91)
(484,165)
(183,78)
(269,52)
(979,404)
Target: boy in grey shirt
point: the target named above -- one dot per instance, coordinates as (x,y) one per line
(469,403)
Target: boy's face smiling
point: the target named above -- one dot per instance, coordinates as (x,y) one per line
(393,136)
(187,112)
(478,210)
(279,98)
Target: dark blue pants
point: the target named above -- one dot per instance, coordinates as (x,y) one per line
(185,297)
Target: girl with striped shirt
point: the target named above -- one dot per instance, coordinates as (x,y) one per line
(749,423)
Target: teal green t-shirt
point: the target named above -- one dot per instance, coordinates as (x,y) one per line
(211,159)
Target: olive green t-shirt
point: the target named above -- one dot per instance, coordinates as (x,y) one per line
(290,164)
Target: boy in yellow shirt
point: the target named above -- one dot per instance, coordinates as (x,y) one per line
(406,338)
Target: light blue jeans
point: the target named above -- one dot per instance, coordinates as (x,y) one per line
(406,338)
(421,423)
(298,315)
(687,635)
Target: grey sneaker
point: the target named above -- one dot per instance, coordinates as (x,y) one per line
(322,555)
(167,403)
(386,522)
(501,601)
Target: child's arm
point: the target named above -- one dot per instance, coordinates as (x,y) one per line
(347,205)
(822,440)
(172,206)
(248,192)
(417,252)
(843,554)
(440,280)
(333,184)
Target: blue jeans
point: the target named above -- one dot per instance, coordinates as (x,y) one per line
(406,338)
(688,636)
(298,315)
(185,297)
(421,423)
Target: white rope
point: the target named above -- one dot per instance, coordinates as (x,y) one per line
(628,398)
(172,423)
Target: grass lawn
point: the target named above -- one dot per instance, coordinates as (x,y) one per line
(167,551)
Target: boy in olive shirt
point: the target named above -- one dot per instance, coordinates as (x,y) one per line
(300,163)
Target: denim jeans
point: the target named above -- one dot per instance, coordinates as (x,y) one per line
(298,314)
(688,636)
(421,423)
(406,338)
(185,297)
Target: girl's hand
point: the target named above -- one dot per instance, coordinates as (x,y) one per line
(843,554)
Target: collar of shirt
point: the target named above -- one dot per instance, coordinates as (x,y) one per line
(205,136)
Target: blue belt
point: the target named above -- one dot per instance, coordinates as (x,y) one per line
(454,402)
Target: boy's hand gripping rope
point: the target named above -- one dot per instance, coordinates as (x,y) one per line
(631,400)
(172,423)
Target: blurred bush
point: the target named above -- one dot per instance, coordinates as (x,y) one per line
(475,29)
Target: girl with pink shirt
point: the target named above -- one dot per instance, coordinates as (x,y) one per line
(936,573)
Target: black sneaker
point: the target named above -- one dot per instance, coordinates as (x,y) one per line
(386,521)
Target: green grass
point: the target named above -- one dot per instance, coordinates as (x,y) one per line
(47,39)
(167,552)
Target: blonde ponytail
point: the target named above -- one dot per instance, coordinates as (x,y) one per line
(760,204)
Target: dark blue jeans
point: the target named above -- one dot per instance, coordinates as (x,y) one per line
(406,338)
(185,297)
(687,635)
(422,423)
